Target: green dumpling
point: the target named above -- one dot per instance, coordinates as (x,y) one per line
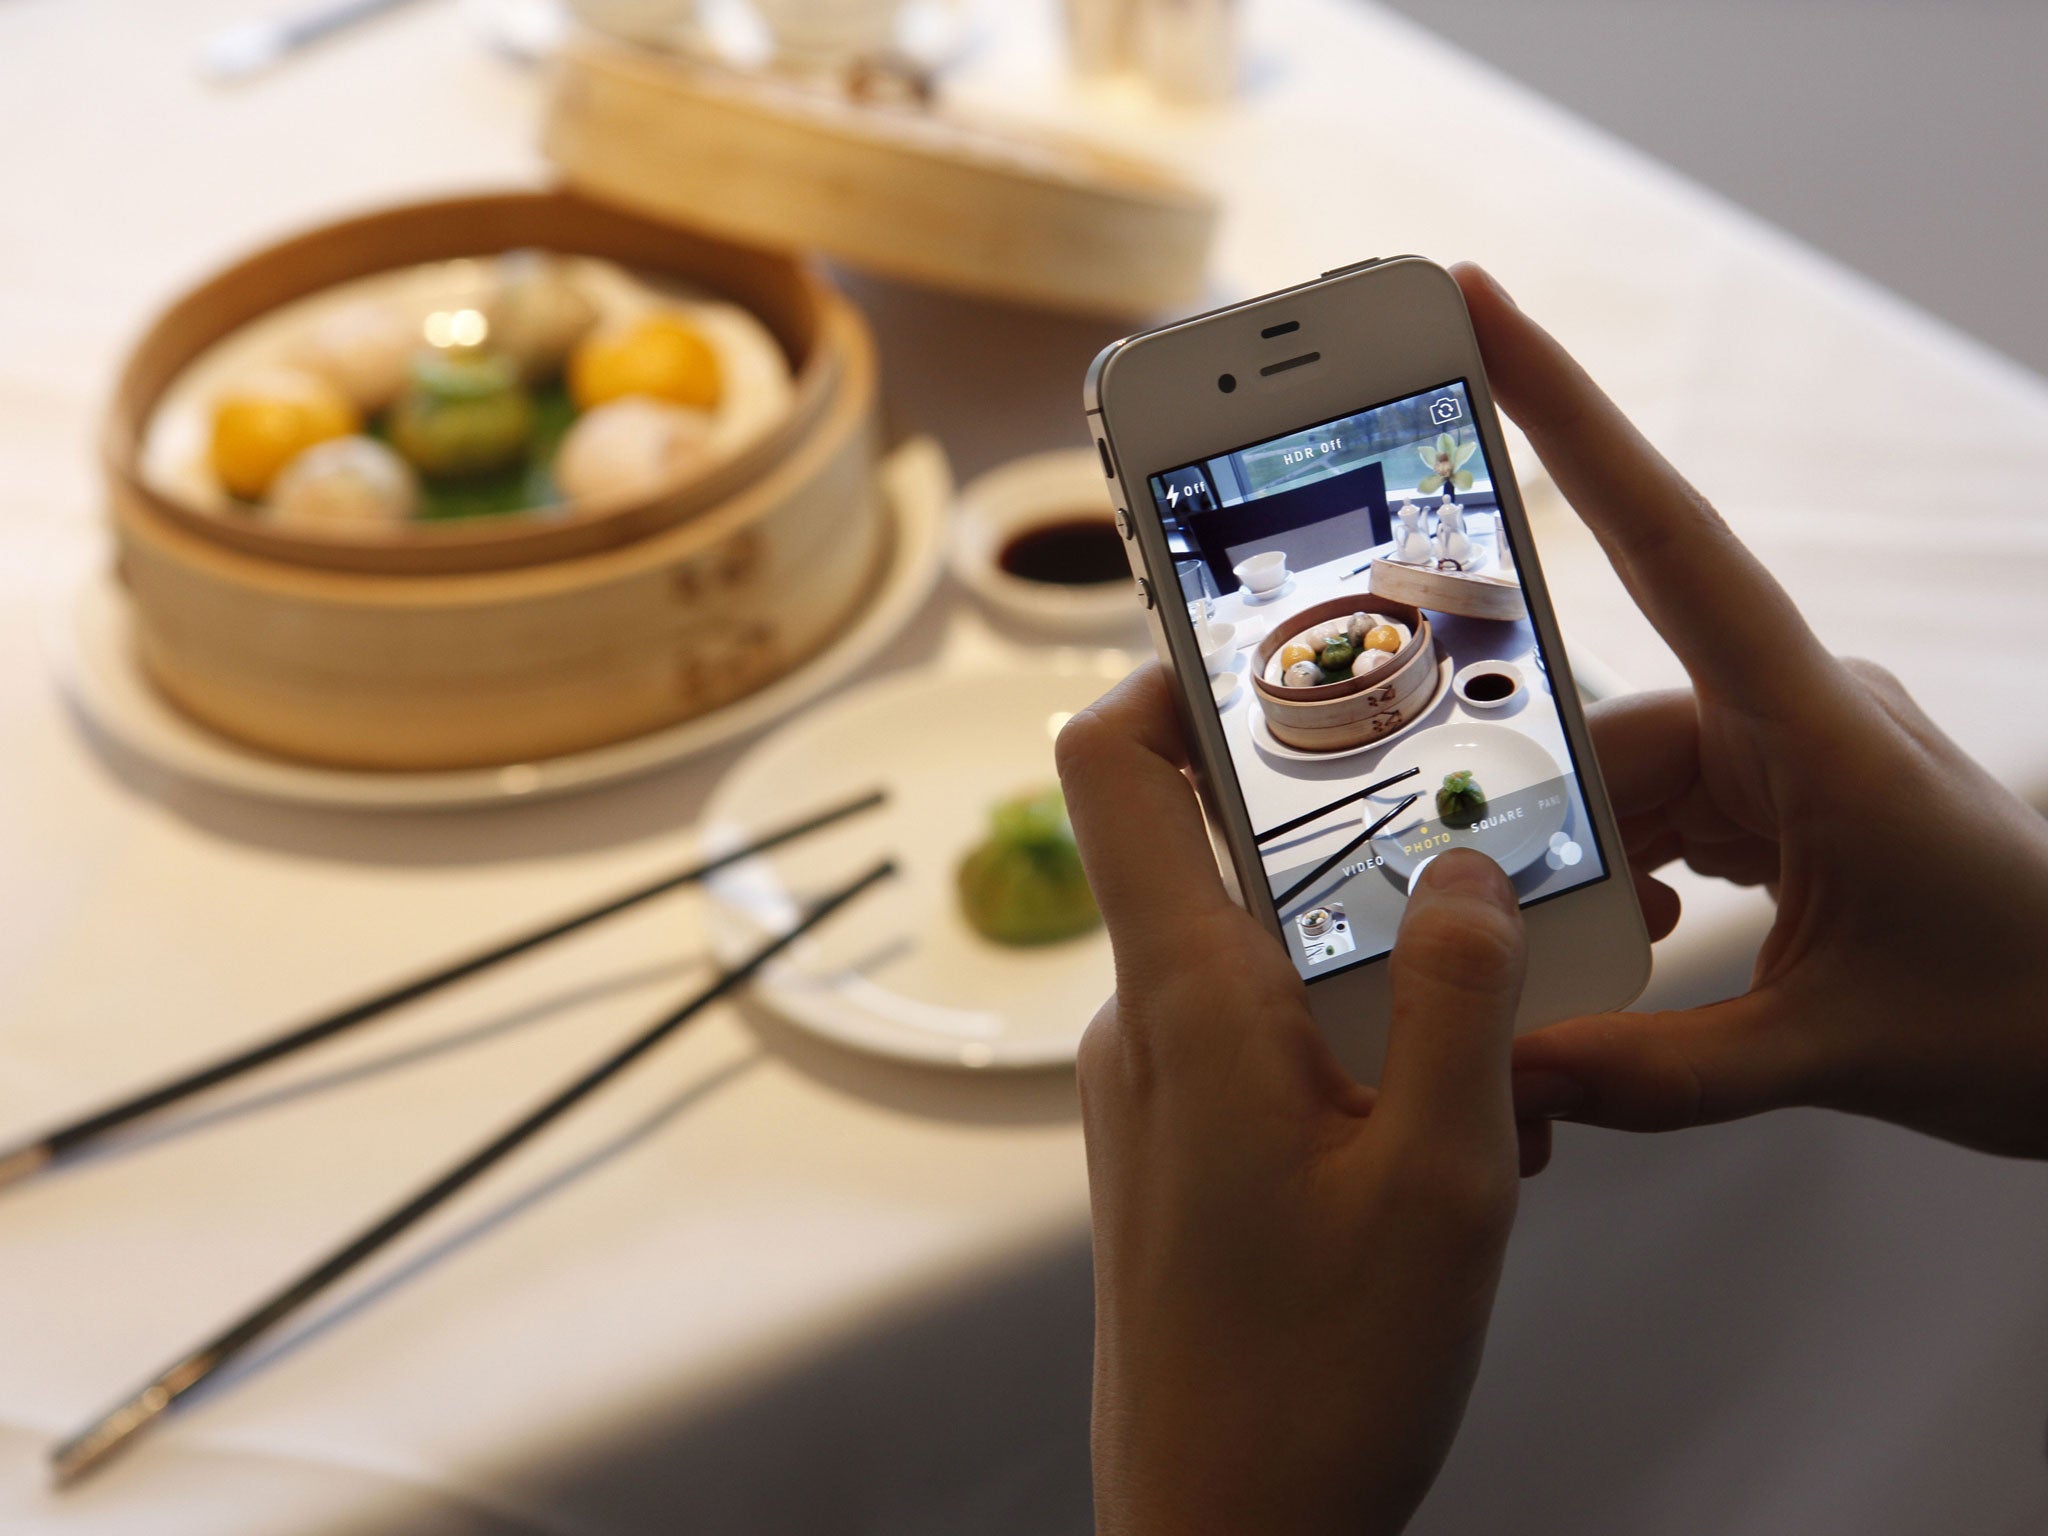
(462,414)
(1024,884)
(1460,802)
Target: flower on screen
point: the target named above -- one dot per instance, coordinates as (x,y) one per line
(1442,459)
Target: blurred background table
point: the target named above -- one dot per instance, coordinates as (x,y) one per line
(770,1287)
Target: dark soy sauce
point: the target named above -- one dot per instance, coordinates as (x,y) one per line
(1488,686)
(1080,551)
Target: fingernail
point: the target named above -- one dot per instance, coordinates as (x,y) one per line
(1546,1095)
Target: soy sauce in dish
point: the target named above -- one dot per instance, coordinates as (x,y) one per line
(1488,686)
(1079,551)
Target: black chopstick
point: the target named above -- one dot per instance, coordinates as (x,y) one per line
(82,1453)
(1340,855)
(1323,810)
(22,1161)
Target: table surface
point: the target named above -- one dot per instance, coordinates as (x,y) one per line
(764,1285)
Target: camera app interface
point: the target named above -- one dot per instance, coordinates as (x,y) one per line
(1354,594)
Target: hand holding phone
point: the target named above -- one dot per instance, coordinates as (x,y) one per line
(1904,976)
(1343,587)
(1293,1271)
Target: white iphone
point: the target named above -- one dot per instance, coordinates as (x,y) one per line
(1328,538)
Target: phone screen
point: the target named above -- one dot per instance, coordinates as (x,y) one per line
(1382,690)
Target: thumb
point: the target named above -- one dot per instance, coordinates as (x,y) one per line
(1456,975)
(1662,1071)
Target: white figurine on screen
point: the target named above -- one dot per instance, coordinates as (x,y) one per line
(1452,543)
(1411,544)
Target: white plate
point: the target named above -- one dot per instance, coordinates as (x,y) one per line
(89,639)
(1264,739)
(900,973)
(1503,761)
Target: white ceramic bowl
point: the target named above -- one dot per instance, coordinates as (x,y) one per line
(1263,572)
(1461,684)
(1042,488)
(1219,645)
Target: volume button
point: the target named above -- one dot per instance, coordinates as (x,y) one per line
(1123,524)
(1145,591)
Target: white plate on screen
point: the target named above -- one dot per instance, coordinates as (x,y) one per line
(90,643)
(1502,761)
(899,972)
(1273,746)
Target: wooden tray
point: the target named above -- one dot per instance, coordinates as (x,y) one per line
(815,325)
(1359,709)
(455,649)
(1470,597)
(906,191)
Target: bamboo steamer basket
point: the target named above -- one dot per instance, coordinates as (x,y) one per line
(923,193)
(1359,709)
(1468,596)
(468,647)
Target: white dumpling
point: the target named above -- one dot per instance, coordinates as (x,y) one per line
(1366,661)
(538,313)
(344,483)
(363,349)
(631,447)
(1303,674)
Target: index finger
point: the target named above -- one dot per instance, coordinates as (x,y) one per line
(1694,580)
(1142,837)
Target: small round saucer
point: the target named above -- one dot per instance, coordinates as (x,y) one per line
(1261,599)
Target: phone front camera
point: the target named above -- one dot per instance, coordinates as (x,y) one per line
(1226,382)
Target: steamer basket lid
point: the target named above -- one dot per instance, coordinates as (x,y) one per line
(903,191)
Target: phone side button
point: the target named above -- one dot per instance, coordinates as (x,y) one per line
(1145,591)
(1123,523)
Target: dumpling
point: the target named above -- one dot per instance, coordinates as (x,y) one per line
(1356,627)
(365,350)
(1366,661)
(630,447)
(345,483)
(1303,674)
(463,414)
(265,421)
(538,314)
(1295,651)
(1023,883)
(663,355)
(1383,637)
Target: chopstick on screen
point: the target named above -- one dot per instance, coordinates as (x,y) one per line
(1323,810)
(77,1457)
(24,1160)
(1340,855)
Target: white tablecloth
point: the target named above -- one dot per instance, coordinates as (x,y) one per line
(768,1287)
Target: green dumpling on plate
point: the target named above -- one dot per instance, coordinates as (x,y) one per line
(1023,884)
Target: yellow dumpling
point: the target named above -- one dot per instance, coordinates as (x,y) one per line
(1383,637)
(664,357)
(1295,651)
(269,419)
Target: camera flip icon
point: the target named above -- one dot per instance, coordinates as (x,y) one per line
(1445,408)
